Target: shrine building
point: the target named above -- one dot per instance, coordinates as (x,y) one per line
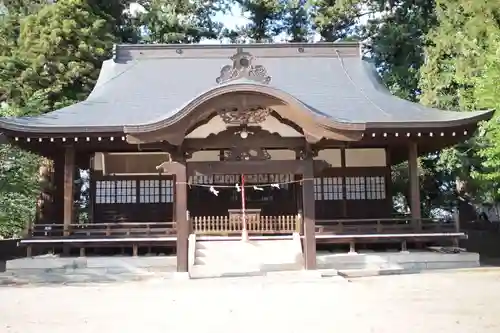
(171,136)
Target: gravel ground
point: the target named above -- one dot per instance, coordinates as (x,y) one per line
(431,302)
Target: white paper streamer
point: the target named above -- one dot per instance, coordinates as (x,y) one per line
(214,191)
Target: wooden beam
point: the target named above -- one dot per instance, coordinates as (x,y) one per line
(308,219)
(416,213)
(246,167)
(69,178)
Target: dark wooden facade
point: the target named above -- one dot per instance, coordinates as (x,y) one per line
(149,185)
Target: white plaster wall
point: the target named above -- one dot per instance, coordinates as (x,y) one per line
(365,157)
(282,154)
(331,156)
(205,156)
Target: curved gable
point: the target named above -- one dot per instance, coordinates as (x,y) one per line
(314,124)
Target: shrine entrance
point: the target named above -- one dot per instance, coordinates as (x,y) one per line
(221,194)
(271,194)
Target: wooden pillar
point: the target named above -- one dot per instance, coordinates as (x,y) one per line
(414,185)
(309,218)
(69,178)
(181,216)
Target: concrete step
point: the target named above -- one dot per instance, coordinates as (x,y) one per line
(248,256)
(270,242)
(237,258)
(213,271)
(387,261)
(365,272)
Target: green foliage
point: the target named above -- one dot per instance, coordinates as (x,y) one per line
(265,17)
(334,20)
(65,44)
(487,94)
(397,42)
(50,57)
(457,75)
(18,190)
(180,21)
(19,187)
(296,21)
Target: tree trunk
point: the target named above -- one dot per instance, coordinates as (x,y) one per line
(466,210)
(44,207)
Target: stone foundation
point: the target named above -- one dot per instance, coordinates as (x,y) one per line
(413,261)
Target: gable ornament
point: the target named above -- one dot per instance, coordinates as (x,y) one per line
(243,67)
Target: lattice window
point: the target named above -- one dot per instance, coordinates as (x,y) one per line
(318,189)
(149,191)
(355,188)
(167,192)
(125,191)
(332,188)
(375,188)
(202,179)
(328,188)
(105,192)
(156,191)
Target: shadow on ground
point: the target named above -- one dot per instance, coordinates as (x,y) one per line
(69,278)
(66,270)
(486,242)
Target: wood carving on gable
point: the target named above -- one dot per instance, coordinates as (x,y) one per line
(243,67)
(244,116)
(239,153)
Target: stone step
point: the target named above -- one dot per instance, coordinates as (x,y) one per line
(237,258)
(225,244)
(250,255)
(365,272)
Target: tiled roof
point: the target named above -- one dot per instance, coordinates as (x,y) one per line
(143,85)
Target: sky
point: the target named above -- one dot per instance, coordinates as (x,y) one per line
(236,18)
(230,20)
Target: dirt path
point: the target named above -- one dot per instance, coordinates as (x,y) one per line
(466,302)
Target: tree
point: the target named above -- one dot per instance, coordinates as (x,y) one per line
(121,23)
(334,20)
(265,21)
(65,44)
(296,21)
(179,21)
(487,94)
(455,60)
(51,58)
(19,186)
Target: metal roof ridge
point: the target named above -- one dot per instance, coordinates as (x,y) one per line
(232,46)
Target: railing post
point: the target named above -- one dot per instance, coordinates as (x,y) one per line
(298,223)
(29,230)
(404,246)
(352,247)
(301,222)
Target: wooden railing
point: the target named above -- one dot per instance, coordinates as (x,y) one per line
(384,226)
(224,225)
(128,229)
